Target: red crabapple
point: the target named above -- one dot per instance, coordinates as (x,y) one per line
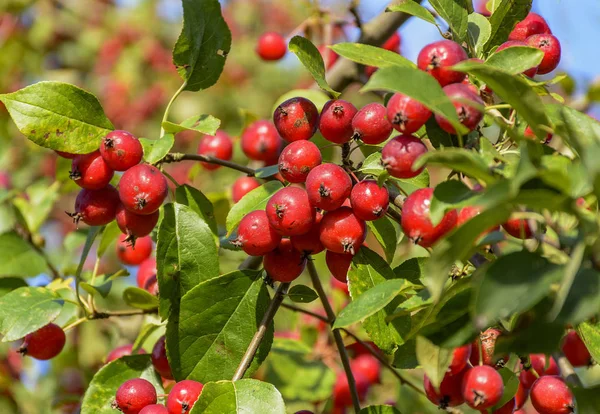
(310,243)
(142,189)
(159,359)
(399,155)
(284,264)
(406,114)
(467,213)
(342,231)
(449,393)
(218,146)
(437,58)
(255,236)
(335,123)
(328,186)
(290,212)
(260,141)
(369,200)
(532,24)
(460,357)
(507,408)
(468,114)
(298,159)
(518,228)
(90,171)
(538,363)
(551,395)
(183,396)
(121,351)
(243,186)
(135,225)
(271,46)
(482,387)
(134,254)
(45,343)
(296,119)
(576,351)
(133,395)
(146,273)
(369,366)
(121,150)
(154,409)
(528,133)
(338,264)
(551,47)
(96,207)
(66,155)
(341,389)
(371,124)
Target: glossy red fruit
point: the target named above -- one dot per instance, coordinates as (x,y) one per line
(576,351)
(532,24)
(121,351)
(399,155)
(416,222)
(518,228)
(339,285)
(436,58)
(371,124)
(310,243)
(521,397)
(468,115)
(304,412)
(328,55)
(159,359)
(512,43)
(368,366)
(406,114)
(260,141)
(90,171)
(290,212)
(96,207)
(154,409)
(243,186)
(460,357)
(450,392)
(45,343)
(298,159)
(342,231)
(507,408)
(328,186)
(142,189)
(284,264)
(341,389)
(121,150)
(467,213)
(338,264)
(146,271)
(393,43)
(66,155)
(482,387)
(218,146)
(551,47)
(369,200)
(271,46)
(133,255)
(133,224)
(133,395)
(551,395)
(335,123)
(538,363)
(528,133)
(255,236)
(183,396)
(296,119)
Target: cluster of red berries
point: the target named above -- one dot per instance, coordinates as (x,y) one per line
(474,380)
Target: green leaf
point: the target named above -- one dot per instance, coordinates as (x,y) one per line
(371,55)
(405,356)
(386,234)
(590,334)
(456,14)
(309,56)
(266,172)
(583,299)
(370,302)
(478,31)
(109,235)
(437,136)
(102,290)
(101,392)
(468,162)
(588,399)
(197,201)
(434,360)
(504,19)
(203,44)
(156,149)
(372,165)
(27,309)
(186,254)
(512,284)
(146,333)
(379,409)
(58,116)
(412,269)
(302,294)
(39,202)
(205,124)
(140,298)
(243,396)
(19,258)
(216,323)
(8,284)
(414,9)
(449,195)
(410,185)
(516,59)
(312,379)
(536,338)
(254,200)
(417,84)
(511,384)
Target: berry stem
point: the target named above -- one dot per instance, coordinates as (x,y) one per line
(178,157)
(91,237)
(168,108)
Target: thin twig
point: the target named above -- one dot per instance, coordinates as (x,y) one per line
(177,157)
(251,262)
(566,370)
(305,311)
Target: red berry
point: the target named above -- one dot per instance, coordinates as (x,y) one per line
(450,392)
(96,207)
(467,213)
(393,43)
(298,159)
(341,389)
(576,351)
(290,212)
(255,236)
(369,200)
(371,124)
(146,271)
(121,150)
(154,409)
(521,396)
(538,363)
(142,189)
(121,351)
(338,264)
(342,231)
(45,343)
(304,412)
(271,46)
(532,24)
(337,285)
(399,155)
(218,146)
(416,223)
(368,366)
(551,47)
(436,58)
(260,141)
(528,133)
(134,224)
(328,186)
(133,395)
(512,43)
(310,243)
(90,171)
(183,396)
(133,255)
(284,264)
(507,408)
(66,155)
(550,395)
(406,114)
(159,359)
(482,387)
(518,228)
(296,119)
(328,55)
(468,115)
(243,186)
(336,121)
(459,359)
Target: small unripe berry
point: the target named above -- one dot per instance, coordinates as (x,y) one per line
(338,264)
(133,395)
(284,264)
(154,409)
(135,225)
(142,189)
(271,46)
(146,276)
(296,119)
(450,392)
(518,228)
(538,363)
(399,155)
(336,121)
(550,395)
(512,43)
(576,351)
(482,387)
(255,236)
(133,254)
(121,150)
(96,207)
(369,200)
(371,124)
(437,58)
(551,47)
(310,243)
(406,114)
(260,141)
(90,171)
(243,186)
(342,231)
(45,343)
(159,359)
(468,115)
(290,212)
(532,24)
(218,146)
(328,186)
(298,159)
(460,357)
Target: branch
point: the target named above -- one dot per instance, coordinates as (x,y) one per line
(251,262)
(262,330)
(177,157)
(566,370)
